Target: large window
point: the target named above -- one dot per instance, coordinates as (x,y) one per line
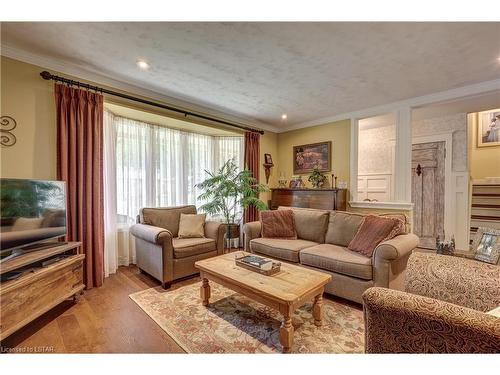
(157,166)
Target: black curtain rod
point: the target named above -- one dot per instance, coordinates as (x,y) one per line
(48,76)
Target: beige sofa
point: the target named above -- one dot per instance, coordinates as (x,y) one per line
(323,237)
(162,254)
(443,309)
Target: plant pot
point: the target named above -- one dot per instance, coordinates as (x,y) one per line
(232,232)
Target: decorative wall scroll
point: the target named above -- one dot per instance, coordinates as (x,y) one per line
(7,124)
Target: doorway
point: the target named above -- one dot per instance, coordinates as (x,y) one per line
(428,188)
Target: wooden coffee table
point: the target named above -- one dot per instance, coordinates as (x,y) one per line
(285,291)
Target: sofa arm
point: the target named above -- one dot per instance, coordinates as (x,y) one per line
(149,233)
(389,261)
(215,230)
(400,322)
(396,247)
(251,230)
(461,281)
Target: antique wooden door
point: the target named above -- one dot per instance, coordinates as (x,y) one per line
(428,179)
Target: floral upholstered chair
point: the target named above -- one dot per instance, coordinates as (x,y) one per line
(444,308)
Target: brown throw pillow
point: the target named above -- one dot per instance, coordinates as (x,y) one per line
(278,224)
(373,231)
(192,226)
(404,225)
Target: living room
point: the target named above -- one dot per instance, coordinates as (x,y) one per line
(250,187)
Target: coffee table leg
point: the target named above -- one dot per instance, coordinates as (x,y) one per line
(318,310)
(205,292)
(286,333)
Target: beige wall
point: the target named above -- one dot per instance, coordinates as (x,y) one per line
(484,161)
(29,99)
(268,145)
(338,132)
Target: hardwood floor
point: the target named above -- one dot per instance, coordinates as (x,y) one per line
(105,320)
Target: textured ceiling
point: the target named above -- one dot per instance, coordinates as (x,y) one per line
(261,70)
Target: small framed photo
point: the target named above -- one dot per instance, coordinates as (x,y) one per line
(486,245)
(268,159)
(488,128)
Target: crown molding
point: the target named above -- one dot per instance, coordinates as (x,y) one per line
(131,86)
(419,101)
(139,88)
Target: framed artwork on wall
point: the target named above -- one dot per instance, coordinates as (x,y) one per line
(315,155)
(488,128)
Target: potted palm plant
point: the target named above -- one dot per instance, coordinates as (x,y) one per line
(227,192)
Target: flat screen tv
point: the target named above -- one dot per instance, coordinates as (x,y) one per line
(32,211)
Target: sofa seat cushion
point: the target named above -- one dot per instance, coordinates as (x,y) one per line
(280,249)
(186,247)
(337,259)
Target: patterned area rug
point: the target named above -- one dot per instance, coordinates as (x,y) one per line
(233,323)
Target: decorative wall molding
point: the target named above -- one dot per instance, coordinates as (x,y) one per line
(461,201)
(419,101)
(374,186)
(383,205)
(7,125)
(151,92)
(125,84)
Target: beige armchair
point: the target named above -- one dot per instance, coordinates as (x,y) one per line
(442,310)
(162,254)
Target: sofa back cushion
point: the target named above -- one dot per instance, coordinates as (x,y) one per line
(278,224)
(165,217)
(310,224)
(373,231)
(342,227)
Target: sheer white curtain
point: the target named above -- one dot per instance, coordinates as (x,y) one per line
(109,171)
(147,165)
(226,148)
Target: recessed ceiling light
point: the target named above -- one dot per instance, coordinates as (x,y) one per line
(142,64)
(284,116)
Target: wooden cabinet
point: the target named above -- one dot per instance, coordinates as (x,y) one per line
(39,288)
(325,199)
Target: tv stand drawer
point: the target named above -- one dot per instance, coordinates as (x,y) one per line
(34,293)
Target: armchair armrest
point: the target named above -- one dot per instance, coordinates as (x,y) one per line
(149,233)
(215,230)
(400,322)
(251,230)
(396,247)
(464,282)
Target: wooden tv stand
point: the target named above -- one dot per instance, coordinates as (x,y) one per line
(39,289)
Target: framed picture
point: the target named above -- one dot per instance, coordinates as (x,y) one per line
(488,128)
(268,159)
(486,245)
(315,155)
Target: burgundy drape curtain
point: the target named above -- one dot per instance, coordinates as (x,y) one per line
(252,158)
(80,163)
